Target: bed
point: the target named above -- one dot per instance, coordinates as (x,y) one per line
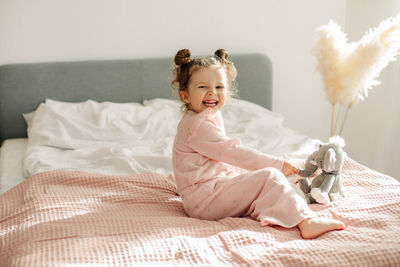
(85,169)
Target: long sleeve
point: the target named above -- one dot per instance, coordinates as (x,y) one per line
(207,137)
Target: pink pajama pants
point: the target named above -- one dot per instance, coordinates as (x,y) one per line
(265,195)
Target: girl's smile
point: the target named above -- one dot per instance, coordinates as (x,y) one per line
(210,103)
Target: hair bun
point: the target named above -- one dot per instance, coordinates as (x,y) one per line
(222,54)
(182,57)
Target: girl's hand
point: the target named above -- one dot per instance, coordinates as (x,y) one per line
(288,169)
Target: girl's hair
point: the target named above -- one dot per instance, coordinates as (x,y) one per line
(184,66)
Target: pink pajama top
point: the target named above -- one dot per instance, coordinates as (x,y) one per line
(202,151)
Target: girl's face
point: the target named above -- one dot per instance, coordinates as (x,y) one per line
(207,88)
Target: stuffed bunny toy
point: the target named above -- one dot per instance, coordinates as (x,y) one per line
(328,185)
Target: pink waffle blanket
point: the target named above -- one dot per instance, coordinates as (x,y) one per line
(62,218)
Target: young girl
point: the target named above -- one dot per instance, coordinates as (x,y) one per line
(218,176)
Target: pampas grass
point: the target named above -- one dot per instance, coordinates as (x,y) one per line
(349,70)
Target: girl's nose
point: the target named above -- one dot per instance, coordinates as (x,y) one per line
(211,92)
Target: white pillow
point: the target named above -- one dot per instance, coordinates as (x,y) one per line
(70,125)
(75,125)
(28,117)
(108,138)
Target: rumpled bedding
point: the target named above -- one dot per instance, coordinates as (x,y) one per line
(100,192)
(130,138)
(62,218)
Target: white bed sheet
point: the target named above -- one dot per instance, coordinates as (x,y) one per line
(12,155)
(65,136)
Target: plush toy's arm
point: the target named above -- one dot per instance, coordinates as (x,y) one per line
(305,185)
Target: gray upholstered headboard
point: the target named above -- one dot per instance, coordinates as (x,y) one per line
(24,86)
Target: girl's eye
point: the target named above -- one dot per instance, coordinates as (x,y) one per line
(202,86)
(220,87)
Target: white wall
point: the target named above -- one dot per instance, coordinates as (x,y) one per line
(373,127)
(54,30)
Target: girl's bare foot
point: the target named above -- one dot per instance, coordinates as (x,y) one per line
(313,227)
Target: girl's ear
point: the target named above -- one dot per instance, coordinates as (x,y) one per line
(184,96)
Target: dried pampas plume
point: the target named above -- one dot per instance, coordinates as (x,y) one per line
(349,70)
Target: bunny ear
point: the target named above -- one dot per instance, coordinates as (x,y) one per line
(330,160)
